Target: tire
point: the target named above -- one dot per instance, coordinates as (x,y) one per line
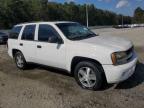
(20,60)
(88,75)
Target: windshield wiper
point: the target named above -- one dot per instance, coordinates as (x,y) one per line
(91,35)
(77,38)
(83,37)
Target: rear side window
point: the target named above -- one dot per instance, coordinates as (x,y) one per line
(29,32)
(15,32)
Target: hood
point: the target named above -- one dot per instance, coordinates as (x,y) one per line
(114,43)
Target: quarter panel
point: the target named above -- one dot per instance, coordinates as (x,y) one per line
(99,53)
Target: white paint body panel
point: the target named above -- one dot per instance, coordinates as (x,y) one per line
(98,48)
(51,55)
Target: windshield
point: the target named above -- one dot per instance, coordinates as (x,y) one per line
(75,31)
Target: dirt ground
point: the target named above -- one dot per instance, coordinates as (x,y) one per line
(43,87)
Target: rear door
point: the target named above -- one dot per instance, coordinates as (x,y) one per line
(27,43)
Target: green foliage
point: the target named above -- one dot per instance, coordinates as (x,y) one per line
(18,11)
(139,15)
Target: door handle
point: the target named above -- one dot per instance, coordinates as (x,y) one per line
(21,44)
(39,46)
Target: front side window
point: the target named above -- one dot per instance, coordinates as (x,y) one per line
(75,31)
(47,33)
(15,32)
(29,32)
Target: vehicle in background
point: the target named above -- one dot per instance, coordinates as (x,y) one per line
(92,59)
(128,26)
(137,25)
(121,26)
(3,38)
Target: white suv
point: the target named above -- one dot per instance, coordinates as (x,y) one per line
(73,47)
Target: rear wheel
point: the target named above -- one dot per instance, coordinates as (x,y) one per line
(20,60)
(88,75)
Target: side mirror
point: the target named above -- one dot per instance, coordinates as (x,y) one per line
(60,41)
(54,39)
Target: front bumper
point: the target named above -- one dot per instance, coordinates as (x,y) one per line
(116,74)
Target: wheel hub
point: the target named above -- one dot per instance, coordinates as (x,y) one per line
(87,76)
(19,61)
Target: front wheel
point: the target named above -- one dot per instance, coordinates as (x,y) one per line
(20,60)
(88,75)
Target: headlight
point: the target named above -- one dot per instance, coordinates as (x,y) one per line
(119,58)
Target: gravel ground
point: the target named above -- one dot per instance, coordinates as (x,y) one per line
(43,87)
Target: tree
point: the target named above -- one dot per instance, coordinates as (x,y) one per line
(139,15)
(19,11)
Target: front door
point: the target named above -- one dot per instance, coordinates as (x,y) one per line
(49,52)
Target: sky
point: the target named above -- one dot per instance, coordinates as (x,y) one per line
(125,7)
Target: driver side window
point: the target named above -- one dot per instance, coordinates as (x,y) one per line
(47,33)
